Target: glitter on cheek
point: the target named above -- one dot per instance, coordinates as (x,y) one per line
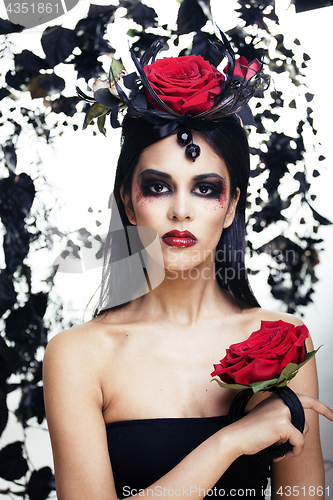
(217,203)
(139,195)
(223,197)
(141,198)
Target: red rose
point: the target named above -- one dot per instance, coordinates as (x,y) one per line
(246,70)
(264,354)
(188,85)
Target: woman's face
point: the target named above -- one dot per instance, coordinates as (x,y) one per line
(188,203)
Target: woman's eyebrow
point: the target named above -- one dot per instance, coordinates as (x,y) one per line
(156,172)
(207,176)
(168,176)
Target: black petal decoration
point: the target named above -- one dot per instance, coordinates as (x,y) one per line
(10,155)
(24,327)
(145,40)
(58,43)
(306,5)
(51,83)
(87,66)
(322,220)
(281,48)
(104,13)
(304,186)
(4,93)
(28,61)
(245,48)
(255,14)
(31,405)
(66,105)
(3,402)
(104,96)
(41,484)
(7,27)
(17,79)
(7,293)
(16,197)
(278,101)
(12,464)
(143,15)
(190,17)
(204,44)
(96,21)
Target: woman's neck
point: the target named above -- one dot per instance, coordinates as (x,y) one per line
(187,296)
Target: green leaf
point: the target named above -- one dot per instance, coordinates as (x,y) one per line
(292,368)
(117,67)
(101,123)
(132,33)
(287,372)
(230,386)
(263,385)
(95,111)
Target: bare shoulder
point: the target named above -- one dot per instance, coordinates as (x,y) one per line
(79,341)
(75,365)
(88,341)
(71,361)
(86,356)
(255,315)
(266,315)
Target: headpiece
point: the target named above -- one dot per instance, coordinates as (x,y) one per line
(179,94)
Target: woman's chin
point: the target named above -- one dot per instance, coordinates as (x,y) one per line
(183,271)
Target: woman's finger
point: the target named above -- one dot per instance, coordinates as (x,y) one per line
(312,403)
(297,440)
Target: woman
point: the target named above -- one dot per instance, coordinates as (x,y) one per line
(128,397)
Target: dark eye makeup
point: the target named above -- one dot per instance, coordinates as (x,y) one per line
(151,185)
(212,189)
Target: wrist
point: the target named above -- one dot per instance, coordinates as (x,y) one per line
(230,443)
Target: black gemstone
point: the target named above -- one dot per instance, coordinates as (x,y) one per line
(184,136)
(193,151)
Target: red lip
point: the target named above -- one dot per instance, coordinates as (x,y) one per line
(180,239)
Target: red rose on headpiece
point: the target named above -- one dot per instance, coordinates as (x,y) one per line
(246,70)
(264,354)
(188,84)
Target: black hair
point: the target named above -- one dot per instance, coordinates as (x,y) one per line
(229,141)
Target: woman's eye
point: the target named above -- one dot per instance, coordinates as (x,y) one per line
(206,190)
(157,187)
(151,187)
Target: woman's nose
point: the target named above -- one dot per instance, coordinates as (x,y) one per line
(180,207)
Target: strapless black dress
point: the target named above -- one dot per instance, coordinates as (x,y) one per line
(142,451)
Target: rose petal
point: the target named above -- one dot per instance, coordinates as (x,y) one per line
(100,84)
(264,354)
(188,84)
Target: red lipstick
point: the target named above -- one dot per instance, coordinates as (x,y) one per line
(180,239)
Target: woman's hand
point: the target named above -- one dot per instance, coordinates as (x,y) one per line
(269,423)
